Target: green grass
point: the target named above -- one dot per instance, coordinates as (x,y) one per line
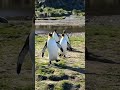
(53,13)
(64,85)
(59,74)
(104,40)
(12,38)
(102,37)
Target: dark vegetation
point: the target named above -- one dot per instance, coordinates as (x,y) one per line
(59,8)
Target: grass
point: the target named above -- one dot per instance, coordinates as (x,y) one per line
(103,40)
(64,73)
(12,38)
(64,85)
(102,37)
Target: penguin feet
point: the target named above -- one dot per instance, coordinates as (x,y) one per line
(57,60)
(49,63)
(64,56)
(60,54)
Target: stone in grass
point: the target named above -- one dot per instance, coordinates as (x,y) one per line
(41,77)
(58,77)
(63,85)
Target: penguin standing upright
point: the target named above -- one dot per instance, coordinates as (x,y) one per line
(68,41)
(63,43)
(52,47)
(56,36)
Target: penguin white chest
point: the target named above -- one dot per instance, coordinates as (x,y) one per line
(52,49)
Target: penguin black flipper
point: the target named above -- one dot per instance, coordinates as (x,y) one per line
(59,46)
(69,46)
(58,35)
(44,48)
(22,55)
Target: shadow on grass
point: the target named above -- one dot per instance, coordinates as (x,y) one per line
(80,70)
(75,50)
(93,57)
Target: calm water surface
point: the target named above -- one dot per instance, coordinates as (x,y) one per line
(69,29)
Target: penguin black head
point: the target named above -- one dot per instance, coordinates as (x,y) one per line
(50,35)
(63,35)
(55,30)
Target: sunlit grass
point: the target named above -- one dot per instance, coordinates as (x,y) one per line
(59,73)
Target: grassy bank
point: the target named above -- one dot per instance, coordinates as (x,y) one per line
(63,75)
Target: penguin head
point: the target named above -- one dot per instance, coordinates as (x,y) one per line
(63,35)
(49,35)
(55,30)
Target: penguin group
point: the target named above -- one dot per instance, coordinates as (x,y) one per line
(56,44)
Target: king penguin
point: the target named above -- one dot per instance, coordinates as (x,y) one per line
(63,43)
(52,47)
(68,41)
(56,36)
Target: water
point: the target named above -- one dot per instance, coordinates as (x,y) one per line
(69,29)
